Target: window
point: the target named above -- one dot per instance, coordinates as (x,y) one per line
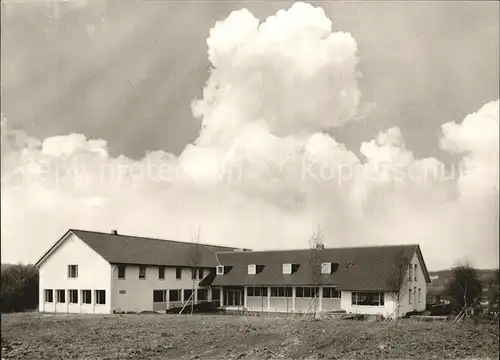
(330,293)
(299,292)
(409,296)
(193,273)
(161,272)
(159,296)
(415,273)
(281,291)
(60,296)
(306,292)
(187,294)
(252,269)
(326,268)
(49,295)
(367,298)
(259,291)
(215,293)
(122,292)
(100,297)
(220,269)
(178,273)
(142,272)
(121,271)
(202,294)
(73,296)
(287,269)
(410,277)
(86,297)
(419,295)
(72,271)
(174,295)
(200,273)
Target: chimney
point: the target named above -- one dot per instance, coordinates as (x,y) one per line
(320,247)
(114,232)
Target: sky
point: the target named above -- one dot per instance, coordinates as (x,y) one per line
(375,121)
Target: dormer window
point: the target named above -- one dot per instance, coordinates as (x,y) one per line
(287,269)
(220,269)
(290,268)
(252,269)
(329,267)
(326,268)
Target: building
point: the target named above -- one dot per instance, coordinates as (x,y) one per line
(92,272)
(355,280)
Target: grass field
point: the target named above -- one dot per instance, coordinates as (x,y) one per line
(31,336)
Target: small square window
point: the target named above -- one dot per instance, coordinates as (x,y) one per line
(220,270)
(121,271)
(159,296)
(86,297)
(60,296)
(161,272)
(72,271)
(49,295)
(174,295)
(100,297)
(252,269)
(142,271)
(73,296)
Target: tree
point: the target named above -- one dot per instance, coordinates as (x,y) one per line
(398,279)
(194,262)
(464,286)
(316,245)
(19,289)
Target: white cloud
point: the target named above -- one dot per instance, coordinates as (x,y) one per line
(262,173)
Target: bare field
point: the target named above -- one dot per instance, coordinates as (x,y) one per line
(31,336)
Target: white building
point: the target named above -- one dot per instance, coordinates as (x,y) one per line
(91,272)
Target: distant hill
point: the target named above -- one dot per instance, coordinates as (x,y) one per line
(440,278)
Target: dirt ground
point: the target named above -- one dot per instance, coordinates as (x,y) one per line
(34,336)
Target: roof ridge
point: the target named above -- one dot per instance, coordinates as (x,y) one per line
(329,248)
(149,238)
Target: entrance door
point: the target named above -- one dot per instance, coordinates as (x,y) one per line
(233,298)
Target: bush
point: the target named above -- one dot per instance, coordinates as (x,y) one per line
(19,288)
(442,309)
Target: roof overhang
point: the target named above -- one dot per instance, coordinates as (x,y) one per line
(424,267)
(58,243)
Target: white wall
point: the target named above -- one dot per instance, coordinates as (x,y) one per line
(386,310)
(93,273)
(257,303)
(420,283)
(138,294)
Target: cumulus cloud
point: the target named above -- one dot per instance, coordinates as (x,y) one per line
(263,172)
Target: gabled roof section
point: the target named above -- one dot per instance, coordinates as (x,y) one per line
(360,268)
(53,248)
(125,249)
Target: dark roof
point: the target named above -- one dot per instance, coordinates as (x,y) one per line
(371,267)
(124,249)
